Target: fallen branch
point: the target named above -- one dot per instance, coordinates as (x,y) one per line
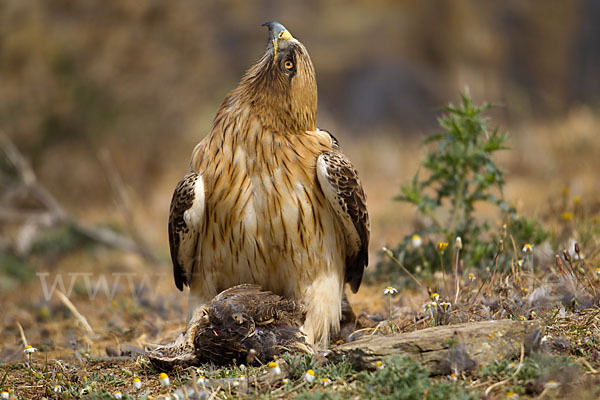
(55,212)
(443,349)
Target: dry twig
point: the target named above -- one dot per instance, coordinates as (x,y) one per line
(75,312)
(55,213)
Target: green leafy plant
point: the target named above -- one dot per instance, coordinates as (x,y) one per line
(401,378)
(460,172)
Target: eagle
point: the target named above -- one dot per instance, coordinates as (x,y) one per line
(270,199)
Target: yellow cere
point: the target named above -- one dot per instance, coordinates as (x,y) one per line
(285,35)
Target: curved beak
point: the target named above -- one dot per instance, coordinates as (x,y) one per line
(277,32)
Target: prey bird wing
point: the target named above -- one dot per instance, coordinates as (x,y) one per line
(343,190)
(185,222)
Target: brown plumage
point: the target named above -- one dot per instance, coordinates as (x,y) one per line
(270,199)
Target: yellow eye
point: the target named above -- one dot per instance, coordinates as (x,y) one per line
(288,65)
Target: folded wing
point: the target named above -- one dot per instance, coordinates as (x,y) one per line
(185,222)
(343,190)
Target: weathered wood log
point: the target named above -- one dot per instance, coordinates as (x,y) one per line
(443,349)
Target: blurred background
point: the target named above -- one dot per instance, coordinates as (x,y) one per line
(93,92)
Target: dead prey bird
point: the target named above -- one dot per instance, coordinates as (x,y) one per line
(242,323)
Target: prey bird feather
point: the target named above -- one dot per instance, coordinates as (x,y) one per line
(270,199)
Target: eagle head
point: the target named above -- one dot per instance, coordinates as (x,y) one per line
(281,85)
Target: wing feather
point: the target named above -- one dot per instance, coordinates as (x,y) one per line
(342,188)
(185,221)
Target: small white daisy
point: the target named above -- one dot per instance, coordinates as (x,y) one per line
(416,240)
(57,388)
(326,381)
(274,368)
(520,262)
(30,349)
(551,385)
(458,243)
(527,248)
(390,290)
(309,376)
(201,380)
(137,383)
(117,395)
(163,379)
(5,395)
(379,365)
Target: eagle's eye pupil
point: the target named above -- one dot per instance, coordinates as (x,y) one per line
(288,65)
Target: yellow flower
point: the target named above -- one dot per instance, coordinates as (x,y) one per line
(576,200)
(527,248)
(379,365)
(471,276)
(435,296)
(565,191)
(326,381)
(30,349)
(4,395)
(566,216)
(442,246)
(512,395)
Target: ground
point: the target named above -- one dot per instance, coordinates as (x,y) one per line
(551,167)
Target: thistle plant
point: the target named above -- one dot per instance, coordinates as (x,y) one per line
(456,174)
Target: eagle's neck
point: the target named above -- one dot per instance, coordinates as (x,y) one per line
(280,105)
